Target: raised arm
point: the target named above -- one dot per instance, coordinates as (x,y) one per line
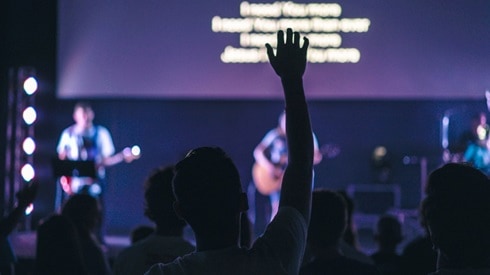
(289,63)
(24,197)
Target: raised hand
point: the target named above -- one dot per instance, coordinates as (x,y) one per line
(290,59)
(289,62)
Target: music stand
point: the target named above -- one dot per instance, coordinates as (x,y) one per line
(74,168)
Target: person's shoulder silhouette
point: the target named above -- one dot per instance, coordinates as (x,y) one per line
(456,212)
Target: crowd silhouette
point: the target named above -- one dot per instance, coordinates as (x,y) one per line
(209,193)
(313,231)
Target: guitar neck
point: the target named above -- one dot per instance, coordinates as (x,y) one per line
(127,155)
(113,160)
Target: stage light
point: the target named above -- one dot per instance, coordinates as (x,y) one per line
(27,172)
(29,209)
(95,190)
(135,150)
(30,85)
(29,115)
(379,153)
(29,146)
(65,184)
(381,165)
(20,146)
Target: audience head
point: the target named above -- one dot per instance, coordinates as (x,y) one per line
(388,232)
(84,211)
(328,219)
(58,249)
(207,188)
(159,199)
(456,212)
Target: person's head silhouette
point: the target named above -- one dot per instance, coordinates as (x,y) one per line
(209,193)
(456,212)
(159,199)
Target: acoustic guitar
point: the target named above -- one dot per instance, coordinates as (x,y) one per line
(268,181)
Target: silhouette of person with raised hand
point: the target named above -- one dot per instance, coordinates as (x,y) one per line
(456,211)
(209,196)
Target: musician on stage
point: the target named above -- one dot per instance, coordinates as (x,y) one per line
(85,141)
(271,160)
(478,145)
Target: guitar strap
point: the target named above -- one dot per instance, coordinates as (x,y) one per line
(91,144)
(87,143)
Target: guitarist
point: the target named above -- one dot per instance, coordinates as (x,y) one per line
(86,141)
(271,159)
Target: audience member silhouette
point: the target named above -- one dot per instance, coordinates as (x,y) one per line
(388,236)
(327,225)
(24,198)
(58,248)
(456,211)
(419,258)
(210,198)
(349,244)
(84,212)
(350,234)
(167,243)
(141,232)
(245,231)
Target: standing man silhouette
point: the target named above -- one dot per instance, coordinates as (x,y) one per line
(209,197)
